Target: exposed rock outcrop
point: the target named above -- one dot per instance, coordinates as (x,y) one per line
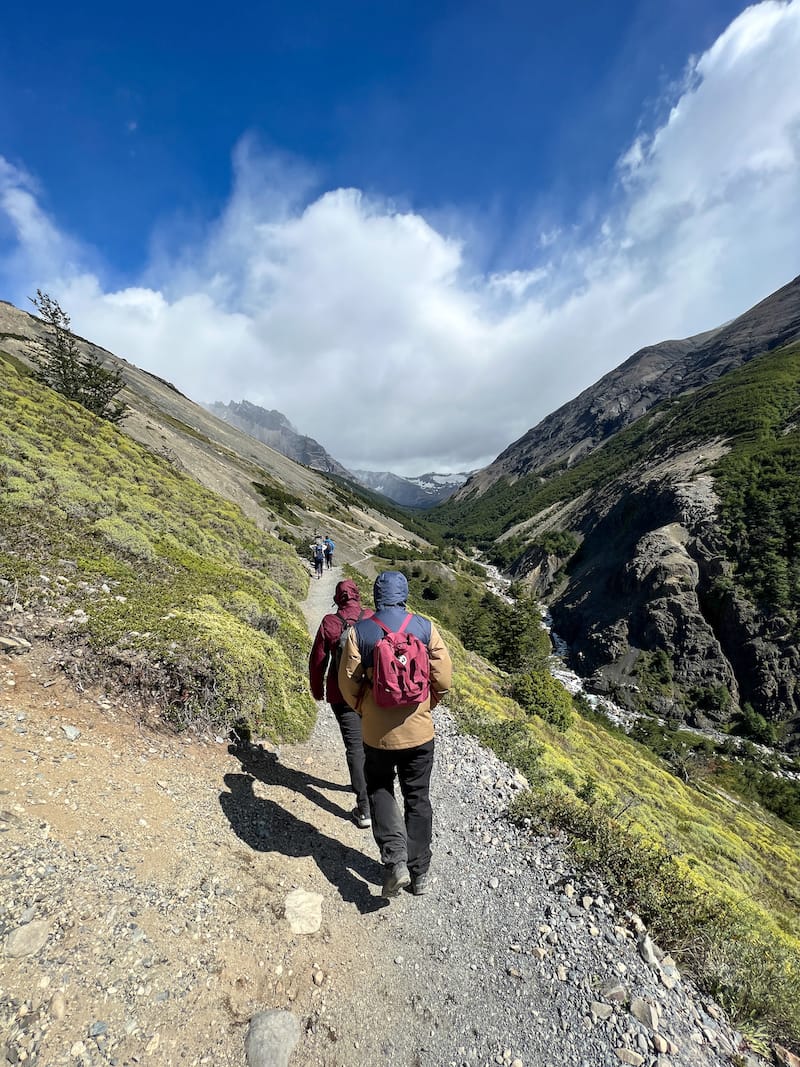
(650,576)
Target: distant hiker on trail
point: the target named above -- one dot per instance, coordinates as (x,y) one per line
(395,668)
(329,547)
(326,653)
(318,552)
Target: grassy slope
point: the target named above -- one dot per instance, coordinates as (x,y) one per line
(203,605)
(717,877)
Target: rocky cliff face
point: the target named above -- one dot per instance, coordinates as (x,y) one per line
(275,430)
(652,605)
(653,374)
(649,579)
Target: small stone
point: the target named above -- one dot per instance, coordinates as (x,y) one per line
(637,924)
(647,951)
(494,883)
(627,1055)
(659,1043)
(28,939)
(72,732)
(561,973)
(319,978)
(645,1013)
(14,644)
(152,1044)
(601,1011)
(614,991)
(303,911)
(785,1057)
(271,1037)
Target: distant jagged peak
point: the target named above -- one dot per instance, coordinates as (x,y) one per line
(274,429)
(245,409)
(422,491)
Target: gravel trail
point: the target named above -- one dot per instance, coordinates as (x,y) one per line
(144,881)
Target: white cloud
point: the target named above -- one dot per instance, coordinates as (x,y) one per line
(372,331)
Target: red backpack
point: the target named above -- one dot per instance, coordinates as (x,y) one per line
(400,668)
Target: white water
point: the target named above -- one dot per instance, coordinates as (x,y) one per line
(499,584)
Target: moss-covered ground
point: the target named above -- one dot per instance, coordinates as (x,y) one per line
(183,596)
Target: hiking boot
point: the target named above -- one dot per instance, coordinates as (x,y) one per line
(397,877)
(362,819)
(419,884)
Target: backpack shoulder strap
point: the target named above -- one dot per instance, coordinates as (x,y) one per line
(384,627)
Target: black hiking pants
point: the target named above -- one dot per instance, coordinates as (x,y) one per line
(350,726)
(401,838)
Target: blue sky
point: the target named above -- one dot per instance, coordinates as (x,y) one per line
(503,199)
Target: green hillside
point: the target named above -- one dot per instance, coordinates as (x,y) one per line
(184,598)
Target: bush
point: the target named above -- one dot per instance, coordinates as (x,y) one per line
(538,693)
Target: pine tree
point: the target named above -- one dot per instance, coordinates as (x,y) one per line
(60,365)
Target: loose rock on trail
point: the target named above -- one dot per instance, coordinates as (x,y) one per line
(158,892)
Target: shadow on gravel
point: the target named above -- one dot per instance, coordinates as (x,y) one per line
(267,827)
(266,766)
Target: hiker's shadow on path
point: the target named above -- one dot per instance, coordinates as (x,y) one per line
(266,766)
(267,827)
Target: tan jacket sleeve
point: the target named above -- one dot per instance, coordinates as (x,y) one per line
(441,667)
(351,673)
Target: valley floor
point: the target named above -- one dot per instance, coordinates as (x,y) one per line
(149,872)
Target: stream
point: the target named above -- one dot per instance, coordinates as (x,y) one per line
(499,584)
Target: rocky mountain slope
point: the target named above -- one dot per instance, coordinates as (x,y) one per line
(673,478)
(653,374)
(424,491)
(222,456)
(275,430)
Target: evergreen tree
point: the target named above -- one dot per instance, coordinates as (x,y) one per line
(60,365)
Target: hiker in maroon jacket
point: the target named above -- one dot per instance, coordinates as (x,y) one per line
(325,653)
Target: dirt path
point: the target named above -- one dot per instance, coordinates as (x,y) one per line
(159,867)
(150,874)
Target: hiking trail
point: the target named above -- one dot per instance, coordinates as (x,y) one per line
(146,876)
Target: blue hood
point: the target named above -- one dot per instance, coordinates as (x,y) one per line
(390,589)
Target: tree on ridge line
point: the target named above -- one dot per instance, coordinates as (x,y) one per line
(59,365)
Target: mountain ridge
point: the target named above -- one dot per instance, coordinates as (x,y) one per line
(667,531)
(274,429)
(652,374)
(423,491)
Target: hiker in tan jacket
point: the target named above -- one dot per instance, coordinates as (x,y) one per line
(398,741)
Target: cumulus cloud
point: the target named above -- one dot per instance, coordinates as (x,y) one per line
(378,335)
